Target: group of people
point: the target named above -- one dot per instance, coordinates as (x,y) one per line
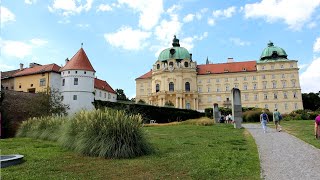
(264,119)
(226,119)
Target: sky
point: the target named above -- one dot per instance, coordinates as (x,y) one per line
(123,38)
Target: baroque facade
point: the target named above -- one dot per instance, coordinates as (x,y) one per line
(271,82)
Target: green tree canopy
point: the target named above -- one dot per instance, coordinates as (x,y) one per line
(311,101)
(121,95)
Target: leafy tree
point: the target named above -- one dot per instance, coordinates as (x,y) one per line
(133,99)
(169,103)
(141,101)
(311,101)
(121,95)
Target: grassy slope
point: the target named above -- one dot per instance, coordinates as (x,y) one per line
(183,151)
(302,129)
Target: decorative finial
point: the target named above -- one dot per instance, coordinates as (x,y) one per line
(207,61)
(270,43)
(175,42)
(81,45)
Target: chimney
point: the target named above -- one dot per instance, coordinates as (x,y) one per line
(21,66)
(67,60)
(191,56)
(230,60)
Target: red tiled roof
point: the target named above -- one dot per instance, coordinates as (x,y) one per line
(37,70)
(79,61)
(8,74)
(146,75)
(103,85)
(227,67)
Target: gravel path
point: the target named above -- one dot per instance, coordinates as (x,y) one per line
(283,156)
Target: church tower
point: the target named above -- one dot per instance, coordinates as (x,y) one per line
(77,82)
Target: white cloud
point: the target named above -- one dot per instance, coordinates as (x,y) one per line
(312,25)
(302,66)
(30,1)
(211,22)
(239,42)
(83,25)
(188,18)
(6,16)
(295,13)
(316,45)
(150,11)
(104,7)
(309,79)
(127,38)
(70,7)
(38,42)
(15,48)
(188,42)
(225,13)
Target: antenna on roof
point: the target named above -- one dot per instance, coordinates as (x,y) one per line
(81,45)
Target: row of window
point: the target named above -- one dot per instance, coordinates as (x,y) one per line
(76,72)
(255,86)
(105,95)
(272,67)
(245,78)
(75,81)
(171,87)
(186,64)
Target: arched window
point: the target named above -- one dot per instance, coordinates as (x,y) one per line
(186,64)
(171,86)
(171,64)
(158,66)
(157,87)
(187,86)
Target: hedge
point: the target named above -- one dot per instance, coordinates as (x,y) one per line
(148,112)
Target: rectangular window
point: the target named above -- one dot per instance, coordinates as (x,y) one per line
(244,78)
(256,97)
(264,85)
(274,85)
(208,89)
(208,81)
(272,67)
(227,88)
(209,99)
(263,76)
(265,96)
(100,94)
(109,96)
(42,82)
(294,95)
(199,89)
(105,95)
(254,86)
(75,82)
(235,79)
(284,84)
(226,79)
(295,106)
(245,87)
(286,106)
(63,82)
(75,97)
(285,96)
(217,80)
(218,98)
(246,97)
(283,76)
(275,96)
(273,76)
(218,89)
(254,78)
(266,106)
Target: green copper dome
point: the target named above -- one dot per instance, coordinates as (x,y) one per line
(176,52)
(273,53)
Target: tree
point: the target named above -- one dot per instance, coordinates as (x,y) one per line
(169,103)
(311,101)
(121,95)
(141,101)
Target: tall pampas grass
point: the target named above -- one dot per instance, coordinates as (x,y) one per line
(105,133)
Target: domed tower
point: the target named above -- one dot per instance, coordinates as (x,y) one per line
(174,78)
(77,82)
(273,53)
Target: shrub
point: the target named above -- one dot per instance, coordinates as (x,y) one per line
(105,133)
(254,116)
(148,112)
(208,112)
(47,128)
(204,121)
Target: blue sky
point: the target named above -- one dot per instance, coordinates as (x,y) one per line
(122,38)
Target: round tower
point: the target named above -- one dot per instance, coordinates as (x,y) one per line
(77,83)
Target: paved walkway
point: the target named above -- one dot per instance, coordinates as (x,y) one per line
(283,156)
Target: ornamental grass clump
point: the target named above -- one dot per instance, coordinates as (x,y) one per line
(47,128)
(106,133)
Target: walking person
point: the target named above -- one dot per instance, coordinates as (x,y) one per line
(276,119)
(264,119)
(316,127)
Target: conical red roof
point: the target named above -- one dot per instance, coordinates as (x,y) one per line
(79,61)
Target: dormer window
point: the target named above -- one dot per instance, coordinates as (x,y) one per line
(244,69)
(186,64)
(158,66)
(171,64)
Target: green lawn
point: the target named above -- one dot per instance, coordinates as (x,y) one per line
(302,129)
(182,152)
